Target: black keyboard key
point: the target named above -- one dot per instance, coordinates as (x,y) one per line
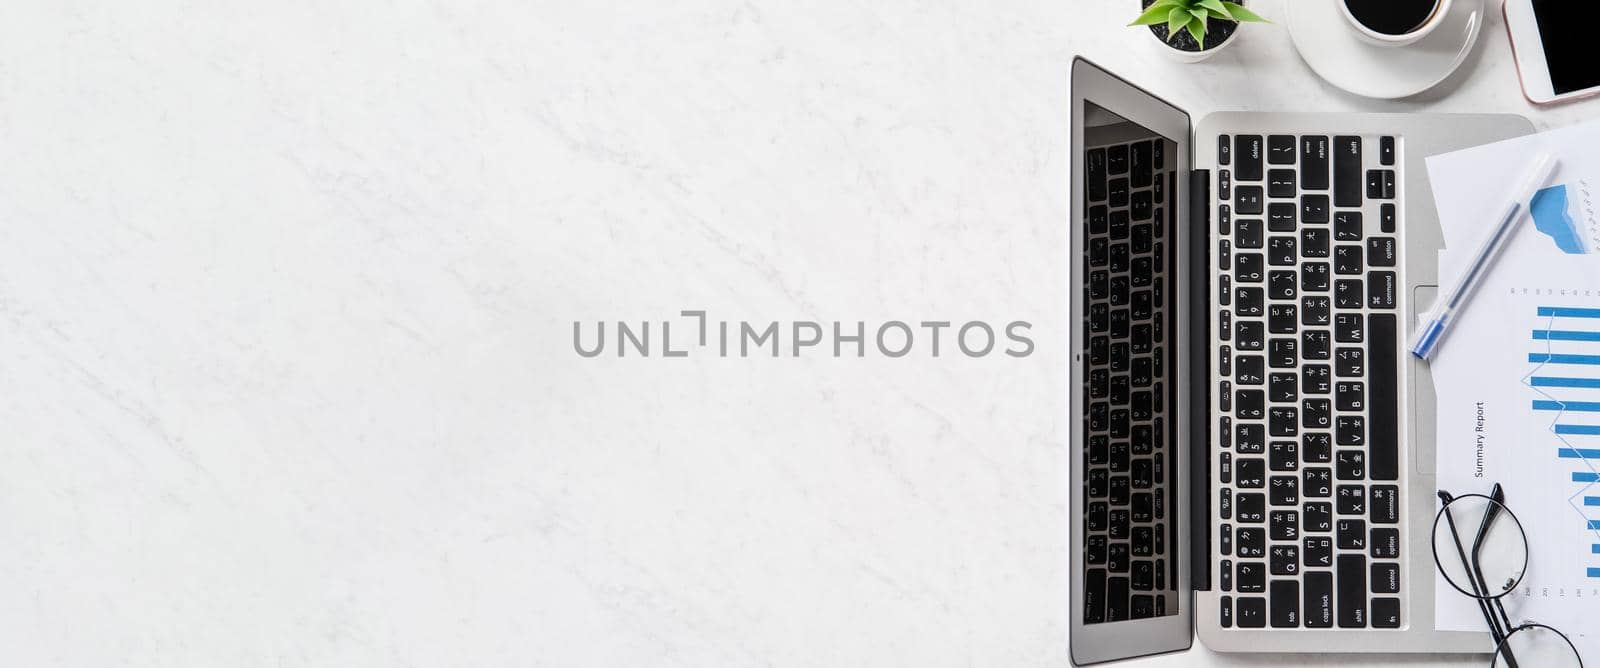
(1314,277)
(1250,334)
(1280,183)
(1284,490)
(1224,150)
(1386,151)
(1226,615)
(1252,370)
(1252,612)
(1316,414)
(1247,200)
(1315,379)
(1094,596)
(1285,603)
(1383,504)
(1347,259)
(1117,159)
(1314,242)
(1281,215)
(1313,163)
(1350,534)
(1351,575)
(1350,430)
(1347,226)
(1158,157)
(1283,456)
(1318,599)
(1251,578)
(1226,571)
(1250,301)
(1225,545)
(1316,311)
(1382,399)
(1118,192)
(1097,219)
(1280,284)
(1315,344)
(1386,218)
(1349,328)
(1350,396)
(1386,613)
(1096,551)
(1248,233)
(1224,185)
(1317,516)
(1280,150)
(1385,578)
(1095,165)
(1314,209)
(1117,558)
(1375,184)
(1250,438)
(1282,353)
(1317,482)
(1380,252)
(1143,606)
(1141,164)
(1347,294)
(1247,153)
(1283,421)
(1283,525)
(1381,289)
(1224,255)
(1250,507)
(1282,251)
(1281,318)
(1318,551)
(1143,575)
(1283,387)
(1249,268)
(1250,404)
(1116,599)
(1119,519)
(1347,171)
(1350,465)
(1224,220)
(1349,362)
(1252,474)
(1384,543)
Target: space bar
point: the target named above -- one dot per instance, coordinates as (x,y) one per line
(1383,456)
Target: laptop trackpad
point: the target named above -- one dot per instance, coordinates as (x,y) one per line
(1424,438)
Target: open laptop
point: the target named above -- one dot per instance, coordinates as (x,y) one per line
(1254,457)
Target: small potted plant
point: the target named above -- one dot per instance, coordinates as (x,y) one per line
(1192,30)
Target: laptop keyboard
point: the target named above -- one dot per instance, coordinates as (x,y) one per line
(1307,349)
(1130,528)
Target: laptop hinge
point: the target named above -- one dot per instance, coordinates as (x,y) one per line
(1199,348)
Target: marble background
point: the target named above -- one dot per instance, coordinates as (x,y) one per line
(287,293)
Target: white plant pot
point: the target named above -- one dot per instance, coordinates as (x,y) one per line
(1194,56)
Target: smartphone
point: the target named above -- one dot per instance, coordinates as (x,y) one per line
(1553,44)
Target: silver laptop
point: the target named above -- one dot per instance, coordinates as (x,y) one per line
(1253,460)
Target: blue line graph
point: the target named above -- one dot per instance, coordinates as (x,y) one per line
(1571,415)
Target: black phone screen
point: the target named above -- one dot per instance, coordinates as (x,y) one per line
(1568,43)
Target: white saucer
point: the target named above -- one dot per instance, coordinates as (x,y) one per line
(1328,43)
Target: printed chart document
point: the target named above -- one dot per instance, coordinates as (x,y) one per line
(1518,378)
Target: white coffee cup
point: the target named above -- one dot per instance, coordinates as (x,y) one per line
(1441,9)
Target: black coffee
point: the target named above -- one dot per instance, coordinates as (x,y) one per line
(1392,17)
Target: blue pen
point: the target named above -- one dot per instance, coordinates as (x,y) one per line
(1445,311)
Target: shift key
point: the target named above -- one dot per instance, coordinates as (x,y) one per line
(1347,183)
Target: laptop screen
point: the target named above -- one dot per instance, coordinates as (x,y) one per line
(1130,428)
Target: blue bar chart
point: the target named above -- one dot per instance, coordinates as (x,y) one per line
(1564,376)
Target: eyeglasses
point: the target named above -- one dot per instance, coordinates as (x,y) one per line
(1492,568)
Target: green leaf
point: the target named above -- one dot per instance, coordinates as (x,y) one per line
(1176,20)
(1200,14)
(1157,13)
(1216,7)
(1239,13)
(1198,30)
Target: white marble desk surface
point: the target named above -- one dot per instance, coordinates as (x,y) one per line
(286,292)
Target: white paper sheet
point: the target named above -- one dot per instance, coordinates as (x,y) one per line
(1516,404)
